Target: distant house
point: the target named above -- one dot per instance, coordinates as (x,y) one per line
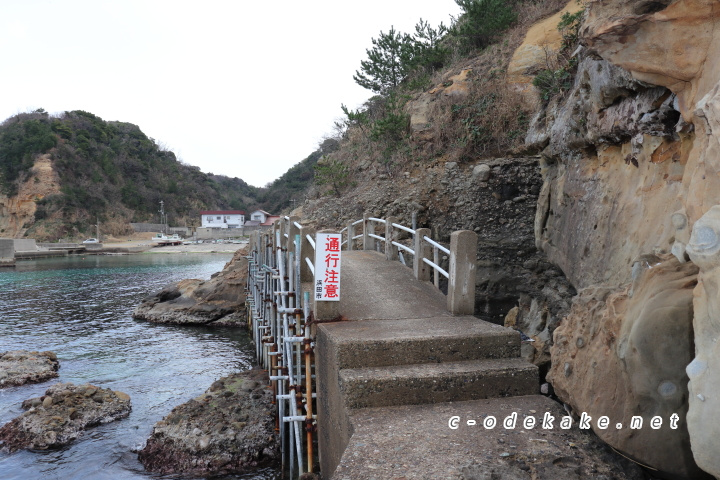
(270,219)
(259,216)
(222,218)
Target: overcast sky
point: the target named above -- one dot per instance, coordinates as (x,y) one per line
(239,88)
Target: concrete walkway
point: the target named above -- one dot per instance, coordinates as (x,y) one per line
(399,346)
(395,372)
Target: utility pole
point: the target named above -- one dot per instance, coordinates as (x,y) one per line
(97,228)
(162,216)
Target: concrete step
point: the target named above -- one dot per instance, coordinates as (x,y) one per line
(376,343)
(440,382)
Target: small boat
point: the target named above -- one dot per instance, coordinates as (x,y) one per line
(162,239)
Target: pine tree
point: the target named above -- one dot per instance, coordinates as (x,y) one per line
(389,61)
(482,21)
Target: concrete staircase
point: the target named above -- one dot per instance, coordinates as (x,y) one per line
(412,361)
(401,347)
(430,360)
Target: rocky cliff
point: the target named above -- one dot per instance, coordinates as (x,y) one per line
(607,206)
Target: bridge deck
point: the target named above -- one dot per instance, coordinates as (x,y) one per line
(379,289)
(398,345)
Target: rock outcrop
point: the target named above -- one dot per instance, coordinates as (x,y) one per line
(229,429)
(629,166)
(612,357)
(217,302)
(61,415)
(704,370)
(17,213)
(20,367)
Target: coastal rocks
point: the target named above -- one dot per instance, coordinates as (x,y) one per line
(61,415)
(621,353)
(704,386)
(228,429)
(21,367)
(215,302)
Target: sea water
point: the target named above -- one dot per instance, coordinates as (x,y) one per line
(80,308)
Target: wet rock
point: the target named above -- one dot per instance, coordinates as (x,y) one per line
(61,415)
(20,367)
(216,302)
(228,429)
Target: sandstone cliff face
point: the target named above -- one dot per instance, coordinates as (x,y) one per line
(18,213)
(630,165)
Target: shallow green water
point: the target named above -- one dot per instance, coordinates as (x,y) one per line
(79,307)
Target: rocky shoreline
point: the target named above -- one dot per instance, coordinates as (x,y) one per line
(61,415)
(20,367)
(228,429)
(219,301)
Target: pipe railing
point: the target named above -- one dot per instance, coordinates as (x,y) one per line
(279,317)
(280,309)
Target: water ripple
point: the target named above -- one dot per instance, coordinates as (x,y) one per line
(80,308)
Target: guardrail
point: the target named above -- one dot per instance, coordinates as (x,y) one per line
(280,313)
(461,253)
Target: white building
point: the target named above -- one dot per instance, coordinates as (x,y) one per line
(222,218)
(259,216)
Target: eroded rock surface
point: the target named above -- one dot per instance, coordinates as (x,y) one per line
(704,371)
(20,367)
(213,302)
(228,429)
(621,353)
(62,414)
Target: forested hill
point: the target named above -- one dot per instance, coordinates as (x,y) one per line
(114,172)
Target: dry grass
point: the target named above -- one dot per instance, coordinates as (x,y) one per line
(490,121)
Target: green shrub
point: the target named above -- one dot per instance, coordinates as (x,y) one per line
(552,82)
(329,171)
(482,21)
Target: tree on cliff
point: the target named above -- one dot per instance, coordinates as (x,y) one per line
(482,21)
(388,62)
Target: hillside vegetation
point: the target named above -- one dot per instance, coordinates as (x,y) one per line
(113,172)
(442,95)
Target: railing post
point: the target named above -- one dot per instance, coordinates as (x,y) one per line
(463,264)
(306,250)
(391,251)
(292,230)
(350,234)
(422,250)
(368,228)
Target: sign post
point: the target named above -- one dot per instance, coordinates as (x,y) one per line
(327,267)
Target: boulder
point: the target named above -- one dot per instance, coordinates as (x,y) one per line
(215,302)
(20,367)
(621,353)
(228,429)
(61,415)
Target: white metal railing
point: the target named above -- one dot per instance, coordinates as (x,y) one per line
(396,250)
(279,312)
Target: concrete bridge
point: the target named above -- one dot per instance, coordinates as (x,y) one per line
(390,363)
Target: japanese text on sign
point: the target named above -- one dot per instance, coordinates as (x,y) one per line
(327,267)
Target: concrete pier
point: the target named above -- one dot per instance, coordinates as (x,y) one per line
(7,252)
